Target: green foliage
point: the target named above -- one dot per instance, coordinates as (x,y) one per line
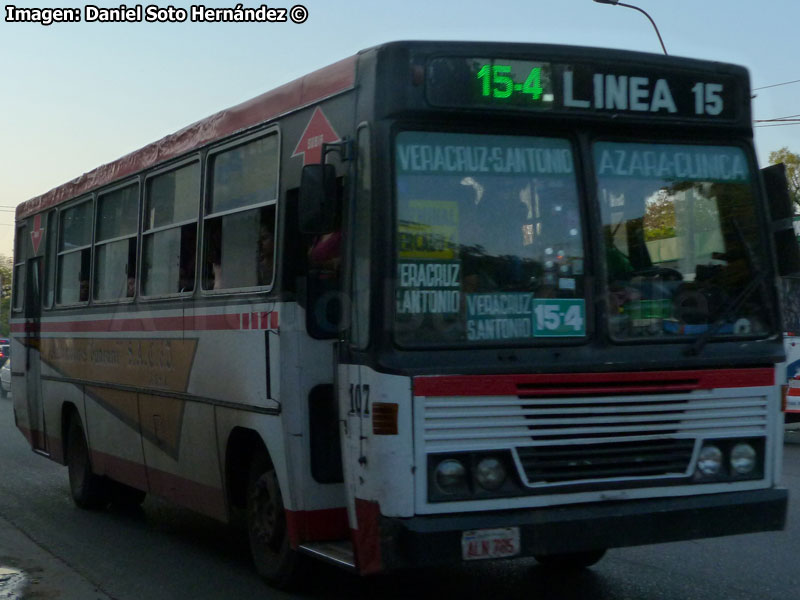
(792,163)
(659,218)
(5,310)
(659,233)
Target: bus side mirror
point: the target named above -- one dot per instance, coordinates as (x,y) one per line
(317,203)
(781,208)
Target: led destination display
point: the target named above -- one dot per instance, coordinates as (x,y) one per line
(544,86)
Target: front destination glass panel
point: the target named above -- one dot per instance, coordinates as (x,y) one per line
(681,241)
(489,240)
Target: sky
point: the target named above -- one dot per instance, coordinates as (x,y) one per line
(74,96)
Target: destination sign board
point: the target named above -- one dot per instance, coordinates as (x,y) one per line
(640,91)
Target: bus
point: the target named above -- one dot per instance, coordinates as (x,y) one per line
(789,370)
(435,303)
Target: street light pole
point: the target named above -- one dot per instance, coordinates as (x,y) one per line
(618,3)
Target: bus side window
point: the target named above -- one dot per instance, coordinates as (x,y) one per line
(169,231)
(240,249)
(239,227)
(115,244)
(74,254)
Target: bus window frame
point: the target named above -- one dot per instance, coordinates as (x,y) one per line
(182,162)
(89,198)
(97,244)
(50,259)
(360,341)
(18,275)
(207,189)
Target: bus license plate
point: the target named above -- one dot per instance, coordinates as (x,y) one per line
(490,543)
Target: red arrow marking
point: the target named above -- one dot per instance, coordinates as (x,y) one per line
(37,235)
(318,131)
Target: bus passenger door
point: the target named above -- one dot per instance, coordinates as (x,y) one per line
(33,325)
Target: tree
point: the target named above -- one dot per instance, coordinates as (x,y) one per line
(659,217)
(792,163)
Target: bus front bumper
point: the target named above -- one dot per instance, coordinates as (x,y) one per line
(433,540)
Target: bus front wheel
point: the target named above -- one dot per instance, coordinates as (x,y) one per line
(572,560)
(88,490)
(274,559)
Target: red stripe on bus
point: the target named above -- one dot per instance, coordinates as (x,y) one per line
(563,384)
(191,494)
(200,497)
(301,92)
(124,471)
(196,323)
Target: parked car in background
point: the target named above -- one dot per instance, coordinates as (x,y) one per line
(5,379)
(5,353)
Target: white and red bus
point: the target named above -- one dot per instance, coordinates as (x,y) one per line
(789,370)
(436,302)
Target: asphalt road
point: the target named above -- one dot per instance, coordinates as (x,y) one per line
(162,552)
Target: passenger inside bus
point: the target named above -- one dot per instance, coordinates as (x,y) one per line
(266,248)
(83,294)
(241,249)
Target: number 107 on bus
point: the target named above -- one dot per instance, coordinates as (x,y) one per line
(559,317)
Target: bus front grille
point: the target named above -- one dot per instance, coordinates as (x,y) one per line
(563,440)
(653,458)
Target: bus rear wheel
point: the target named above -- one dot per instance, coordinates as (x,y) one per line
(571,560)
(274,559)
(89,491)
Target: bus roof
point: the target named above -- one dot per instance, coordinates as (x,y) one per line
(310,88)
(320,84)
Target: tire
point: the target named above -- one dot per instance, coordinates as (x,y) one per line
(3,392)
(274,559)
(89,491)
(570,561)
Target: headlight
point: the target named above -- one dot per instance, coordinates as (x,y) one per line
(709,462)
(490,473)
(450,476)
(743,459)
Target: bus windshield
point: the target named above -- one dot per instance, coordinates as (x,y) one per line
(490,239)
(681,241)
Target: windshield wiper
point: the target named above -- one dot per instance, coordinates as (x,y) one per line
(727,311)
